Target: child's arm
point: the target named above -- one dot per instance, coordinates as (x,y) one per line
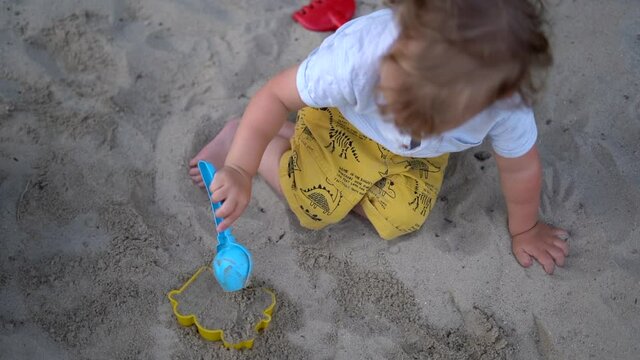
(521,180)
(264,116)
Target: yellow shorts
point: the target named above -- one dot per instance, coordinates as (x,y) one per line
(331,167)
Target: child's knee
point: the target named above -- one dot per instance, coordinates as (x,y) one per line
(392,222)
(313,220)
(399,224)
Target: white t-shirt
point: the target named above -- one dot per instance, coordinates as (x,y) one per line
(344,71)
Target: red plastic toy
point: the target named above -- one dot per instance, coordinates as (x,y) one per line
(325,15)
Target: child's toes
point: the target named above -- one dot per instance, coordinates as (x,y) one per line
(194,173)
(195,176)
(197,180)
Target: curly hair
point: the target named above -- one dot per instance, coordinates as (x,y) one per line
(459,53)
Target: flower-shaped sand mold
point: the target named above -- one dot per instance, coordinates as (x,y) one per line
(208,295)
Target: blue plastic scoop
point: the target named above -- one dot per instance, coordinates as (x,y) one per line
(232,264)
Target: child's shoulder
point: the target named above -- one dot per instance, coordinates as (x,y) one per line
(508,106)
(371,24)
(368,36)
(377,17)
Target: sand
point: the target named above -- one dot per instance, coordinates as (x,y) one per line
(102,103)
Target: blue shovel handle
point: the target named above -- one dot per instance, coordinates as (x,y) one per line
(208,171)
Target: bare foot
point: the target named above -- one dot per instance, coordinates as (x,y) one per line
(215,151)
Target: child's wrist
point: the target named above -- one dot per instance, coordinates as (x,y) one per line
(522,232)
(240,169)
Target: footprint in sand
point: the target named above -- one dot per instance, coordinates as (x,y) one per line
(159,40)
(557,192)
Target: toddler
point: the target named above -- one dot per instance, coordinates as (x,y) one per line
(380,105)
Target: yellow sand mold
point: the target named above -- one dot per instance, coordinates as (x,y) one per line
(218,334)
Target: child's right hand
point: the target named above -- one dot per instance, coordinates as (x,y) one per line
(232,186)
(546,244)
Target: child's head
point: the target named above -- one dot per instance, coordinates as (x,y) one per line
(453,58)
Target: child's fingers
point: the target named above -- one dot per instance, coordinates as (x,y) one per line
(545,259)
(523,258)
(562,234)
(220,180)
(562,245)
(224,224)
(557,254)
(219,194)
(229,220)
(216,185)
(227,208)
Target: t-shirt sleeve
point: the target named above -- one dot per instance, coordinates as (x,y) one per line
(515,134)
(324,78)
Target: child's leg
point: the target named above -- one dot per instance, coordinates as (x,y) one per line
(216,151)
(270,164)
(315,175)
(399,203)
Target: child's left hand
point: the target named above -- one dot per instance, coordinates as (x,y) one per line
(544,243)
